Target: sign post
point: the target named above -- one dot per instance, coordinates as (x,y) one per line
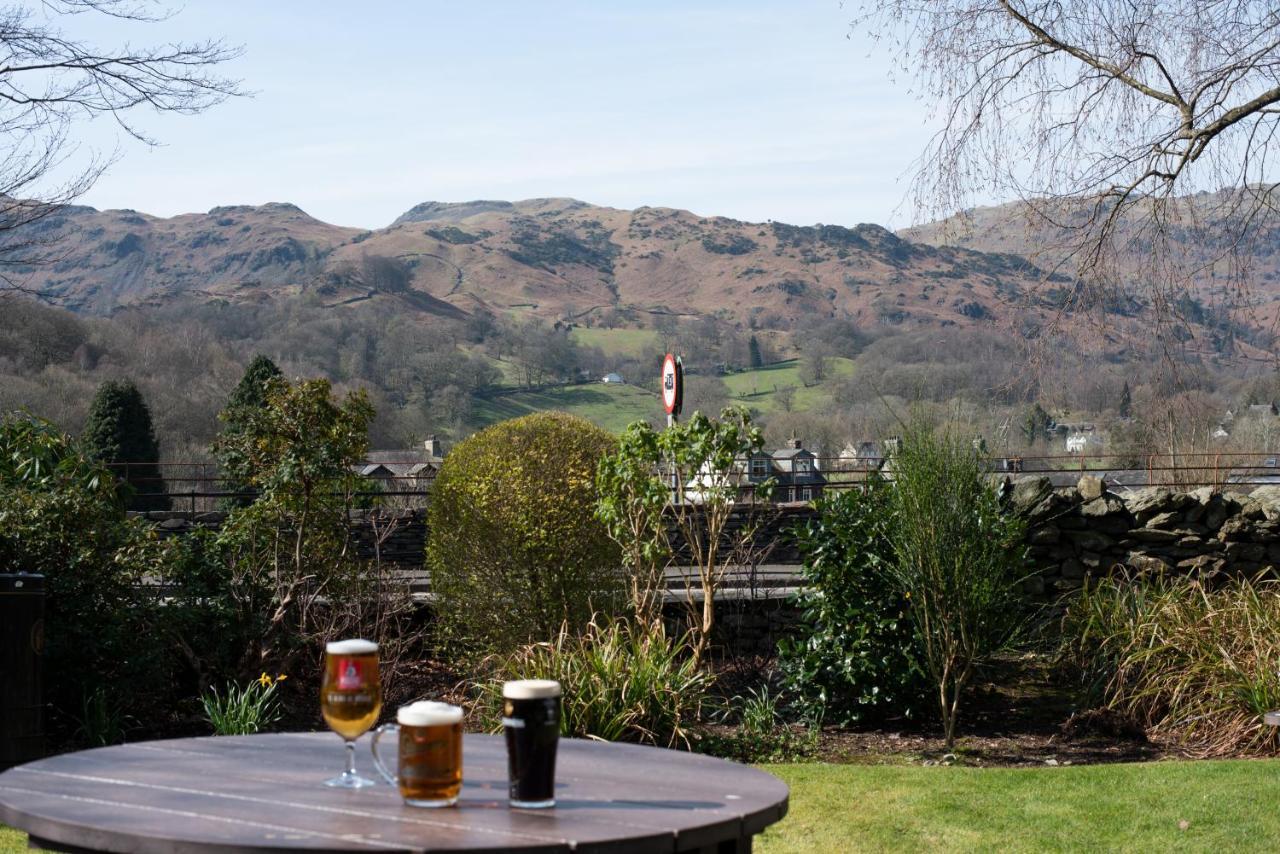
(672,387)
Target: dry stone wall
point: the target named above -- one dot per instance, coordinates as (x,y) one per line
(1085,531)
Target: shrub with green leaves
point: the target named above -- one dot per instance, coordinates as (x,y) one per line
(855,656)
(514,549)
(621,682)
(958,556)
(759,730)
(1195,664)
(60,515)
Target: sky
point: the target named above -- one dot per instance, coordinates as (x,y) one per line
(752,110)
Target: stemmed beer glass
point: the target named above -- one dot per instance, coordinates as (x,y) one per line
(350,699)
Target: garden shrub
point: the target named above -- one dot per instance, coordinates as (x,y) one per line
(855,655)
(60,515)
(514,549)
(1195,664)
(958,557)
(759,731)
(621,682)
(295,577)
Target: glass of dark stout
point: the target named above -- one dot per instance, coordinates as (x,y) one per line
(531,724)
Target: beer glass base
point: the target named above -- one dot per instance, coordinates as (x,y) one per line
(431,805)
(533,805)
(350,781)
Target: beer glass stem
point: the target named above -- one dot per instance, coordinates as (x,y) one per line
(351,759)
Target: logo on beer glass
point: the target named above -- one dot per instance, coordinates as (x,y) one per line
(350,674)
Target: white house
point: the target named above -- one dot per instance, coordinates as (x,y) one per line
(612,378)
(1079,443)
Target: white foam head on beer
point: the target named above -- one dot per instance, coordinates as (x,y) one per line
(428,713)
(354,646)
(530,689)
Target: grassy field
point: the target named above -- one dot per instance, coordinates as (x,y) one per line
(613,407)
(1156,806)
(1159,806)
(758,389)
(634,343)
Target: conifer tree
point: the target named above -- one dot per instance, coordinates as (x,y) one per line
(1126,401)
(757,359)
(249,395)
(119,432)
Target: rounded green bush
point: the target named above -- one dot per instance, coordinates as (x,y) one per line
(514,548)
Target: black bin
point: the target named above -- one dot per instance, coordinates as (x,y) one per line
(21,678)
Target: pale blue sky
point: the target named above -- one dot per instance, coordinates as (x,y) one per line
(755,110)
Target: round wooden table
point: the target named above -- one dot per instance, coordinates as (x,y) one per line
(265,792)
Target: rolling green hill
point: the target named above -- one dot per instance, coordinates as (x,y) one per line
(613,407)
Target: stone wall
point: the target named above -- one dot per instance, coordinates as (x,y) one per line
(1086,530)
(397,536)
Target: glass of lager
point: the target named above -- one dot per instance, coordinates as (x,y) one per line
(350,699)
(531,724)
(430,753)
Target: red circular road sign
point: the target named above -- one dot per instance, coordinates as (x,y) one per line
(672,385)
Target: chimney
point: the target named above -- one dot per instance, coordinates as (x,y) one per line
(795,443)
(435,450)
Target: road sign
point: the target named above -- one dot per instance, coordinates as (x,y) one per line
(672,385)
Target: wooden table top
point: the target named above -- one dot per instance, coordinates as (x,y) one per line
(265,792)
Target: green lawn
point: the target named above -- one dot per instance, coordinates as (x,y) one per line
(1227,806)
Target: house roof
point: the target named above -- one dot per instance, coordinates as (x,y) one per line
(788,453)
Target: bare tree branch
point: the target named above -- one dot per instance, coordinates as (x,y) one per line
(51,81)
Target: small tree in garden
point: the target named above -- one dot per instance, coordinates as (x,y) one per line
(957,557)
(291,553)
(696,465)
(631,504)
(118,432)
(513,548)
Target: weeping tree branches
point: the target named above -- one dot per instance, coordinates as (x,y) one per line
(1099,115)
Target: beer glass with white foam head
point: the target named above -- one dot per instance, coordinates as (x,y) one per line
(430,751)
(350,699)
(531,725)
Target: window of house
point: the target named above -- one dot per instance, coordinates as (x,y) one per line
(759,468)
(806,494)
(804,466)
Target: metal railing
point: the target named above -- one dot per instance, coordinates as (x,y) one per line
(197,486)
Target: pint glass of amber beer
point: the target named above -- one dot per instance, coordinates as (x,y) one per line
(430,753)
(350,699)
(531,724)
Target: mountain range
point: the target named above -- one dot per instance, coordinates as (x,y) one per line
(566,260)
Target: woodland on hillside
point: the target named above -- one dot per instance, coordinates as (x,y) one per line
(438,375)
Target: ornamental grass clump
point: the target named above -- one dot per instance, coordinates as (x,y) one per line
(1197,665)
(621,682)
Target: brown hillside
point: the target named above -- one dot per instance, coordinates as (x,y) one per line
(562,259)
